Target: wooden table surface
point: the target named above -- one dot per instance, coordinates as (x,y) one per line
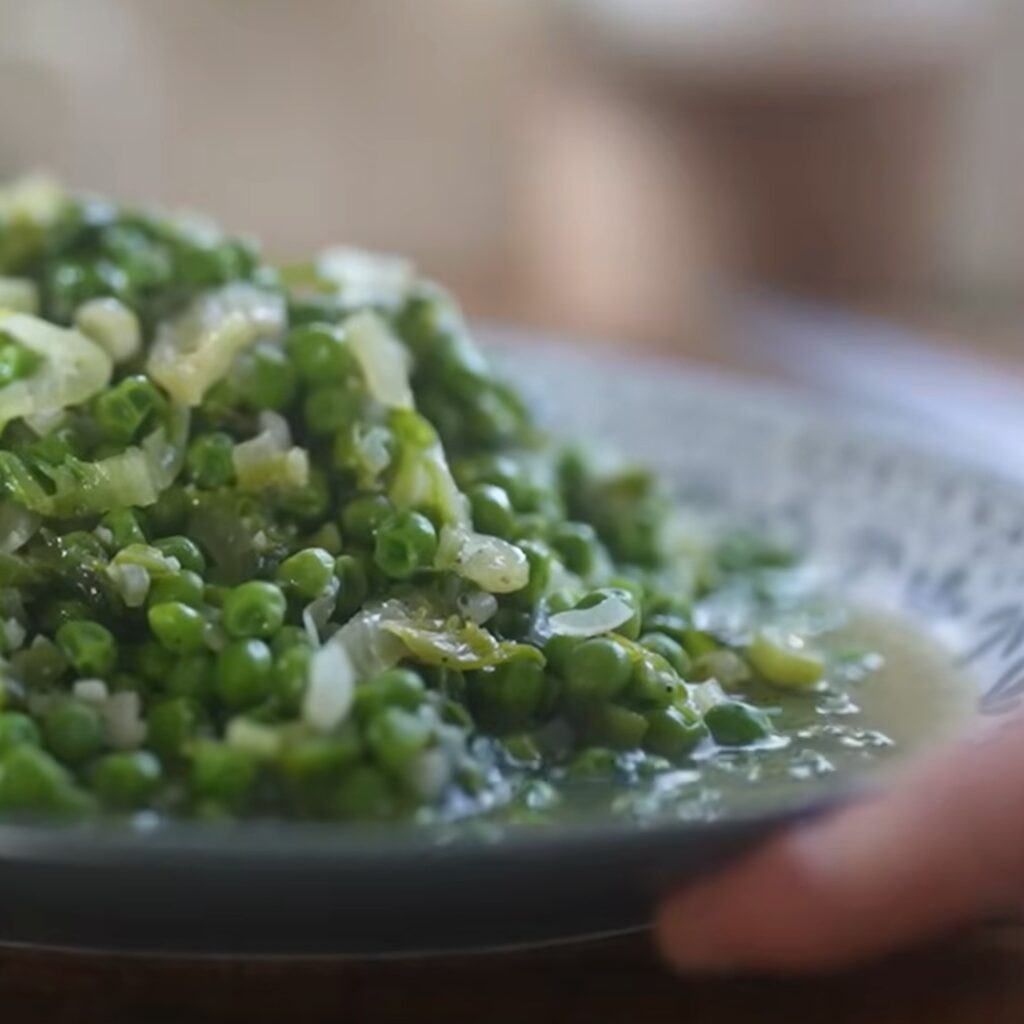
(977,978)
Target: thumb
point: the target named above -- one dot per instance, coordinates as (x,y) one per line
(943,846)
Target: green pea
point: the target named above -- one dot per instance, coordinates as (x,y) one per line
(186,587)
(90,647)
(654,683)
(674,731)
(505,698)
(597,670)
(126,780)
(208,460)
(31,780)
(320,353)
(671,650)
(736,724)
(122,410)
(152,661)
(291,677)
(406,542)
(178,627)
(398,687)
(785,660)
(56,613)
(254,609)
(613,726)
(593,763)
(124,528)
(288,637)
(40,665)
(697,642)
(318,759)
(353,585)
(492,510)
(73,730)
(17,730)
(328,409)
(186,551)
(395,736)
(578,546)
(541,562)
(244,673)
(170,726)
(361,517)
(307,504)
(192,676)
(306,574)
(221,773)
(168,514)
(558,651)
(265,379)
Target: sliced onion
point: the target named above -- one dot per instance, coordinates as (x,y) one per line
(331,689)
(261,464)
(604,617)
(382,358)
(131,582)
(112,325)
(73,368)
(19,295)
(491,563)
(92,691)
(478,606)
(274,424)
(707,695)
(122,716)
(254,738)
(13,633)
(165,447)
(370,648)
(195,351)
(366,278)
(317,613)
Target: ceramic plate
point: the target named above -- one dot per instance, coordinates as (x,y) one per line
(889,518)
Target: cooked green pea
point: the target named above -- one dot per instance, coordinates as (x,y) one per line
(265,378)
(319,759)
(406,542)
(291,676)
(353,585)
(492,510)
(674,731)
(73,730)
(152,661)
(613,726)
(327,409)
(288,637)
(209,462)
(254,609)
(221,773)
(361,516)
(167,515)
(192,676)
(307,504)
(597,670)
(41,664)
(170,726)
(306,574)
(320,353)
(785,660)
(398,687)
(654,683)
(506,698)
(122,410)
(185,586)
(124,528)
(364,792)
(736,724)
(178,627)
(395,736)
(17,730)
(671,650)
(126,780)
(56,613)
(89,646)
(186,551)
(244,673)
(31,780)
(579,547)
(558,650)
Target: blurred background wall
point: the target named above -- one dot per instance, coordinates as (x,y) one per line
(594,165)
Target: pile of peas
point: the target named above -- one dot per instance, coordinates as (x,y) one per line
(156,659)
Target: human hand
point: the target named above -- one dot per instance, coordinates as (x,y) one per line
(942,848)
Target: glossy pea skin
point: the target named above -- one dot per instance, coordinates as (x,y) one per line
(244,673)
(254,609)
(171,724)
(16,730)
(353,585)
(397,687)
(492,510)
(177,626)
(673,732)
(328,409)
(291,677)
(265,379)
(125,781)
(320,353)
(597,670)
(395,736)
(192,676)
(406,542)
(578,546)
(307,573)
(72,730)
(186,587)
(613,726)
(734,723)
(506,698)
(208,460)
(31,780)
(89,646)
(654,683)
(185,550)
(124,528)
(361,516)
(671,650)
(221,773)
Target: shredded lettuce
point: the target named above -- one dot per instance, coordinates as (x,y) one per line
(196,350)
(72,368)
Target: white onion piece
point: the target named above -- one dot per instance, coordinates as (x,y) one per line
(331,689)
(366,278)
(479,606)
(491,563)
(262,463)
(112,325)
(92,691)
(274,424)
(371,649)
(382,358)
(318,612)
(132,583)
(707,695)
(604,617)
(13,633)
(259,740)
(19,295)
(122,716)
(17,526)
